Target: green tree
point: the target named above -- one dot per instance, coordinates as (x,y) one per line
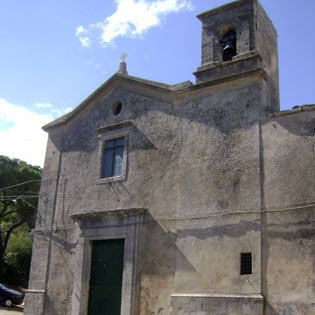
(19,188)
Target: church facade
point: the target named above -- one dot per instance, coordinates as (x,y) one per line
(182,199)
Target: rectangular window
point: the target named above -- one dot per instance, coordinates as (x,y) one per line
(246,263)
(113,157)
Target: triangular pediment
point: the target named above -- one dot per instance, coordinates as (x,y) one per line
(111,84)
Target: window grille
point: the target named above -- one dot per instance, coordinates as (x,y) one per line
(246,263)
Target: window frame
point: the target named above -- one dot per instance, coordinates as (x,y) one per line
(114,154)
(112,132)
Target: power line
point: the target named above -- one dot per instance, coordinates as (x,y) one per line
(186,218)
(27,182)
(30,204)
(20,184)
(16,196)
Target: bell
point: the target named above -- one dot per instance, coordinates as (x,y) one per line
(229,45)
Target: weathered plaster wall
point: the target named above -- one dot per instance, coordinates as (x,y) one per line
(289,224)
(220,152)
(202,166)
(151,173)
(185,159)
(60,277)
(34,301)
(267,46)
(288,144)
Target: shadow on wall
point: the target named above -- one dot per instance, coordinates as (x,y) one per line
(222,112)
(61,253)
(159,237)
(49,305)
(85,140)
(299,124)
(288,309)
(158,252)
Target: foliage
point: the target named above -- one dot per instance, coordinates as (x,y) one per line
(19,187)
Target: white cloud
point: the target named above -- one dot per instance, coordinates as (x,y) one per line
(67,110)
(44,105)
(57,112)
(85,41)
(80,30)
(132,18)
(21,134)
(24,139)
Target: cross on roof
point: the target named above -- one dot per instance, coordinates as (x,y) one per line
(123,57)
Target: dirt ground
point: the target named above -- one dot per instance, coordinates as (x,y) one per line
(15,310)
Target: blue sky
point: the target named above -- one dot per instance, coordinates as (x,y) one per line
(55,53)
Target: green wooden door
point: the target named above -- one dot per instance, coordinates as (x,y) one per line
(106,277)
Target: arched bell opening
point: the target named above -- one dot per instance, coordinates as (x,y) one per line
(228,44)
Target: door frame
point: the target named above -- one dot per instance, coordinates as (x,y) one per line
(105,225)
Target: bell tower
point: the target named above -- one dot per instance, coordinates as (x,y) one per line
(237,39)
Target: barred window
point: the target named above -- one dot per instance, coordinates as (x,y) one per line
(246,263)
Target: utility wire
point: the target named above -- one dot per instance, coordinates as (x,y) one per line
(156,219)
(17,196)
(30,204)
(20,184)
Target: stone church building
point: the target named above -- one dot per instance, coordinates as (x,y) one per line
(185,199)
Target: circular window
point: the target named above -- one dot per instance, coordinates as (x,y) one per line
(117,108)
